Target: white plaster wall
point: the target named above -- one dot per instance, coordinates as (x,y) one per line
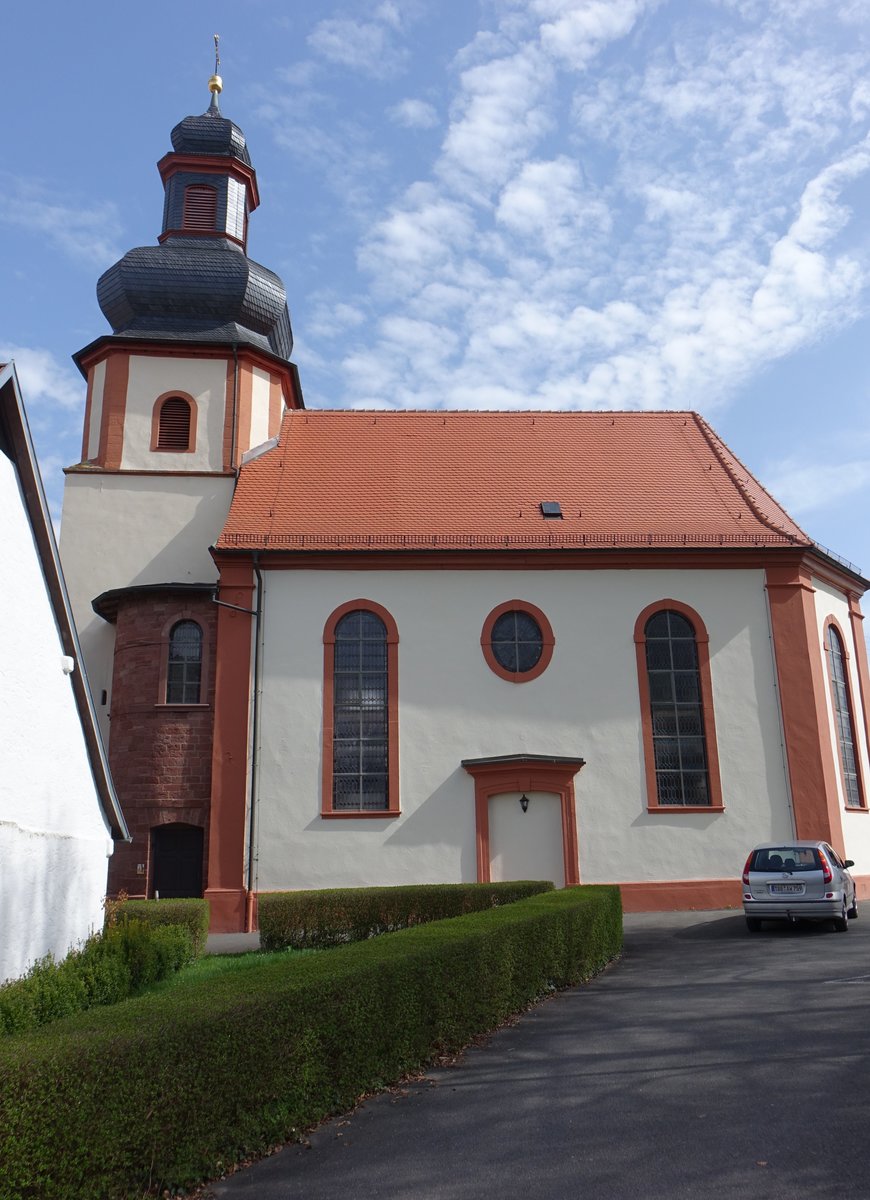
(260,392)
(452,706)
(830,602)
(97,387)
(54,839)
(150,377)
(118,531)
(526,845)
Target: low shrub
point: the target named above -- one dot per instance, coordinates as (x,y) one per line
(171,1088)
(316,919)
(192,914)
(109,967)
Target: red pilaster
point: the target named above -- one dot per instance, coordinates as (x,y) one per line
(226,892)
(803,703)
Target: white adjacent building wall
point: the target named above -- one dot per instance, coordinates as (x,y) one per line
(54,839)
(453,707)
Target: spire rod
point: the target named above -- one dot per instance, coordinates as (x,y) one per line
(215,84)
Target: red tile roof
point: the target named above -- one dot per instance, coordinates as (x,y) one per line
(403,480)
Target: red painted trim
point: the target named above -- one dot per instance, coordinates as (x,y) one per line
(831,621)
(155,421)
(856,623)
(681,895)
(205,164)
(90,470)
(392,809)
(381,814)
(89,404)
(115,387)
(316,554)
(702,642)
(109,346)
(803,705)
(202,233)
(546,628)
(229,416)
(182,614)
(276,406)
(244,411)
(526,775)
(229,796)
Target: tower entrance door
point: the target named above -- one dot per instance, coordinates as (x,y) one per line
(176,852)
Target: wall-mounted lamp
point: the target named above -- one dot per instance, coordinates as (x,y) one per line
(524,802)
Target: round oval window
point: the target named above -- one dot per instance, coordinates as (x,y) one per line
(517,641)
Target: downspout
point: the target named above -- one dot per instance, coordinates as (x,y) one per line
(255,737)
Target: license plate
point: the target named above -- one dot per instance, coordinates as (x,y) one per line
(787,889)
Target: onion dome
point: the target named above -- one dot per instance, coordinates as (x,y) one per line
(198,284)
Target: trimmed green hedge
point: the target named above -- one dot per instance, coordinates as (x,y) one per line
(108,968)
(192,914)
(314,920)
(169,1089)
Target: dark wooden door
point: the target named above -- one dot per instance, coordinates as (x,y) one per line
(177,856)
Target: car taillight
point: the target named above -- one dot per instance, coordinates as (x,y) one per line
(746,870)
(826,868)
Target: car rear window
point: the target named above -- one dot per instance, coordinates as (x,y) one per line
(786,858)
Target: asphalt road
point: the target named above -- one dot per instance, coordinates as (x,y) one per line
(708,1062)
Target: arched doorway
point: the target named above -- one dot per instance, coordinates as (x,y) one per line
(176,854)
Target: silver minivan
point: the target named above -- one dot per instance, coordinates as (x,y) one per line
(794,881)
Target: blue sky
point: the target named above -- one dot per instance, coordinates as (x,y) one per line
(494,204)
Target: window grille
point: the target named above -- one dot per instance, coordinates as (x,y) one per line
(184,666)
(517,641)
(679,741)
(843,719)
(173,432)
(360,750)
(200,207)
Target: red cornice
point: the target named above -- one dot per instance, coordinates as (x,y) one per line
(110,344)
(206,164)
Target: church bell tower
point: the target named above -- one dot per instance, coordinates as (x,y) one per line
(194,376)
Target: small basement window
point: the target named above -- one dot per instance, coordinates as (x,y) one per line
(551,508)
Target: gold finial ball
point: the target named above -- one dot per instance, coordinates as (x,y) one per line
(216,84)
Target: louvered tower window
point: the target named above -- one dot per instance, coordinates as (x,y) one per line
(200,207)
(173,431)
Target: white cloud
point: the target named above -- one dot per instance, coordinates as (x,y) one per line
(44,381)
(576,30)
(88,233)
(547,202)
(365,46)
(803,487)
(413,114)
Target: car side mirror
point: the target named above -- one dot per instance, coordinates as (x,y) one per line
(847,862)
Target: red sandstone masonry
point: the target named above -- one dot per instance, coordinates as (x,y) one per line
(160,756)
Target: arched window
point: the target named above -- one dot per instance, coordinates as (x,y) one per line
(184,666)
(360,719)
(200,207)
(174,424)
(679,734)
(841,697)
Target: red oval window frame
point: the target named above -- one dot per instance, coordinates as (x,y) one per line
(547,637)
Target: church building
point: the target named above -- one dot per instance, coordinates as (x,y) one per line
(346,648)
